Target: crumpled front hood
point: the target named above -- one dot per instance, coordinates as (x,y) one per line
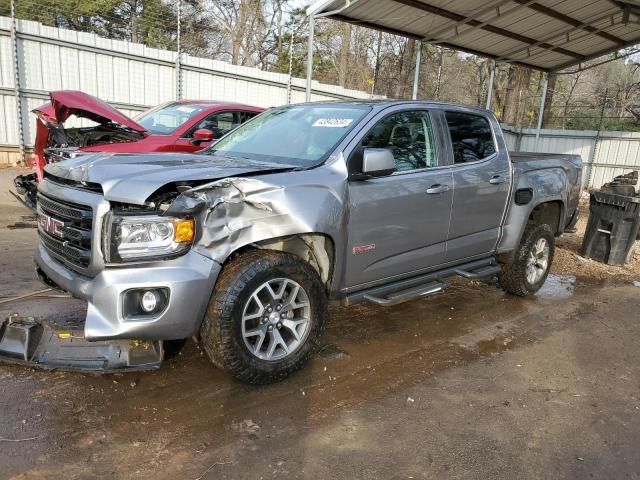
(65,103)
(132,178)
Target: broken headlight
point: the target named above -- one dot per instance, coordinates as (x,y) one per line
(147,237)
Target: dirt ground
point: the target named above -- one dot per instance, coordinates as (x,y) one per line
(468,384)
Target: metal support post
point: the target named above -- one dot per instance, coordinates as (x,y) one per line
(290,69)
(492,73)
(545,81)
(178,54)
(17,80)
(416,77)
(310,58)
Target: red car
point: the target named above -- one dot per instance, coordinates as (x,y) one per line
(180,126)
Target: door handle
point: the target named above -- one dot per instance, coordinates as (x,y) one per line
(497,179)
(437,188)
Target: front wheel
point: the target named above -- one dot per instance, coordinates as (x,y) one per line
(265,316)
(529,267)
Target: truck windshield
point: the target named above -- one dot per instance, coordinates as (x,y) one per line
(301,135)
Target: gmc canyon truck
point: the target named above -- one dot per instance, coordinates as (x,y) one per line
(245,245)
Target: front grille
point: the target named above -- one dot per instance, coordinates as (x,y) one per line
(65,230)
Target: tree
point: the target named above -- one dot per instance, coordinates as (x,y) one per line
(547,116)
(517,87)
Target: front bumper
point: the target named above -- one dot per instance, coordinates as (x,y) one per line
(61,344)
(189,279)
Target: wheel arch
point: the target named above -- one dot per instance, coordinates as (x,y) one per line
(315,248)
(550,212)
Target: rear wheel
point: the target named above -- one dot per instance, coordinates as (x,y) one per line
(529,267)
(265,316)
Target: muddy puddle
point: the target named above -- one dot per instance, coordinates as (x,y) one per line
(557,287)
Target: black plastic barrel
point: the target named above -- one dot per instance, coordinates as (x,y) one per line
(614,223)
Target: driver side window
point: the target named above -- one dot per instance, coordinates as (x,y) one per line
(219,123)
(409,136)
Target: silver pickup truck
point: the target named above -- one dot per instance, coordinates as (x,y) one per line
(245,245)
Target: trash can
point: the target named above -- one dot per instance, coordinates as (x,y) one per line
(614,223)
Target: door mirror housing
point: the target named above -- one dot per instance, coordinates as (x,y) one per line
(377,162)
(202,135)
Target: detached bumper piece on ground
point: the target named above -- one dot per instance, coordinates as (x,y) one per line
(27,188)
(25,340)
(614,221)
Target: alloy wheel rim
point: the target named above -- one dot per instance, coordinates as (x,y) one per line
(276,319)
(538,261)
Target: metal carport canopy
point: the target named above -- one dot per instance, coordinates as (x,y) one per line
(546,35)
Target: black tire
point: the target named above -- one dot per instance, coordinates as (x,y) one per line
(513,277)
(221,330)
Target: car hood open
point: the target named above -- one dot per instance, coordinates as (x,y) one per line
(65,103)
(133,178)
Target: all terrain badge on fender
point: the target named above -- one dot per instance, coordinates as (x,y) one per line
(360,249)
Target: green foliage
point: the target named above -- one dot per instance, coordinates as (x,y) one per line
(152,22)
(322,60)
(100,16)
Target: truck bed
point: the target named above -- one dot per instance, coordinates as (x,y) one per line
(529,161)
(520,157)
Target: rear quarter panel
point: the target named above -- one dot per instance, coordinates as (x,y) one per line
(551,179)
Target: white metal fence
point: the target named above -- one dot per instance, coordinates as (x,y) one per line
(130,76)
(604,154)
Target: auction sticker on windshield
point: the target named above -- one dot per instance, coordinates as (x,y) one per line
(333,122)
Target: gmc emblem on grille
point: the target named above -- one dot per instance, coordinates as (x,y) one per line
(51,225)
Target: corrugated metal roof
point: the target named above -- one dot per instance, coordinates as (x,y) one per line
(543,34)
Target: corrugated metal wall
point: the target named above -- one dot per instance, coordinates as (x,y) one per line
(605,154)
(130,76)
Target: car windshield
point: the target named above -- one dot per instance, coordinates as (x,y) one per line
(164,119)
(301,135)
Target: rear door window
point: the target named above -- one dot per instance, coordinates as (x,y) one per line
(471,137)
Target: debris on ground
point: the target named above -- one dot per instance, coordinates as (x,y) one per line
(16,440)
(332,352)
(25,295)
(19,225)
(245,426)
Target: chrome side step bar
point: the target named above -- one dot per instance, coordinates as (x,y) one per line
(423,285)
(406,295)
(479,274)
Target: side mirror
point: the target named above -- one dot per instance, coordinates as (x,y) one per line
(377,162)
(202,135)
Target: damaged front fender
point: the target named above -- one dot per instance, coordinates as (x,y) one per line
(236,212)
